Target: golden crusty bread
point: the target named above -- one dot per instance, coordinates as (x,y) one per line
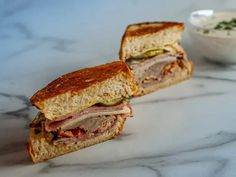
(140,37)
(40,149)
(80,89)
(179,76)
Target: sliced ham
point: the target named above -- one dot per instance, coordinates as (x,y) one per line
(89,118)
(143,64)
(148,72)
(79,134)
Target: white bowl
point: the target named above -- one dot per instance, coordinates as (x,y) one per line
(215,45)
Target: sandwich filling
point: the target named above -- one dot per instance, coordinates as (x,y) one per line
(86,124)
(157,65)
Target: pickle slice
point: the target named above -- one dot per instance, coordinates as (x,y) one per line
(154,52)
(111,102)
(150,53)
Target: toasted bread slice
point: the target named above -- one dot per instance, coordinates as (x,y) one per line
(141,37)
(179,76)
(40,149)
(80,89)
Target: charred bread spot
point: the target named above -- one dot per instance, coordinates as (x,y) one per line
(148,27)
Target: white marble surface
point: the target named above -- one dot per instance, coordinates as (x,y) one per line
(188,130)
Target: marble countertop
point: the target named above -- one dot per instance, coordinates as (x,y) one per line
(188,130)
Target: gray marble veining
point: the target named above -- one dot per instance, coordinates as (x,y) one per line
(186,130)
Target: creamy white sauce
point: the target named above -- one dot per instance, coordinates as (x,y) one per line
(206,20)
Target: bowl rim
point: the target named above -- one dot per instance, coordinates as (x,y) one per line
(214,11)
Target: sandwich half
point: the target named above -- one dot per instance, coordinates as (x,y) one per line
(80,109)
(153,53)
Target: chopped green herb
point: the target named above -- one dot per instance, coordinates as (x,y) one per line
(206,31)
(228,28)
(226,25)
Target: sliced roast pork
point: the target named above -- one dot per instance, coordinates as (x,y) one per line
(74,120)
(148,72)
(88,123)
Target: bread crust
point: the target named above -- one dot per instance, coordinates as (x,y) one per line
(140,29)
(76,81)
(147,28)
(39,149)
